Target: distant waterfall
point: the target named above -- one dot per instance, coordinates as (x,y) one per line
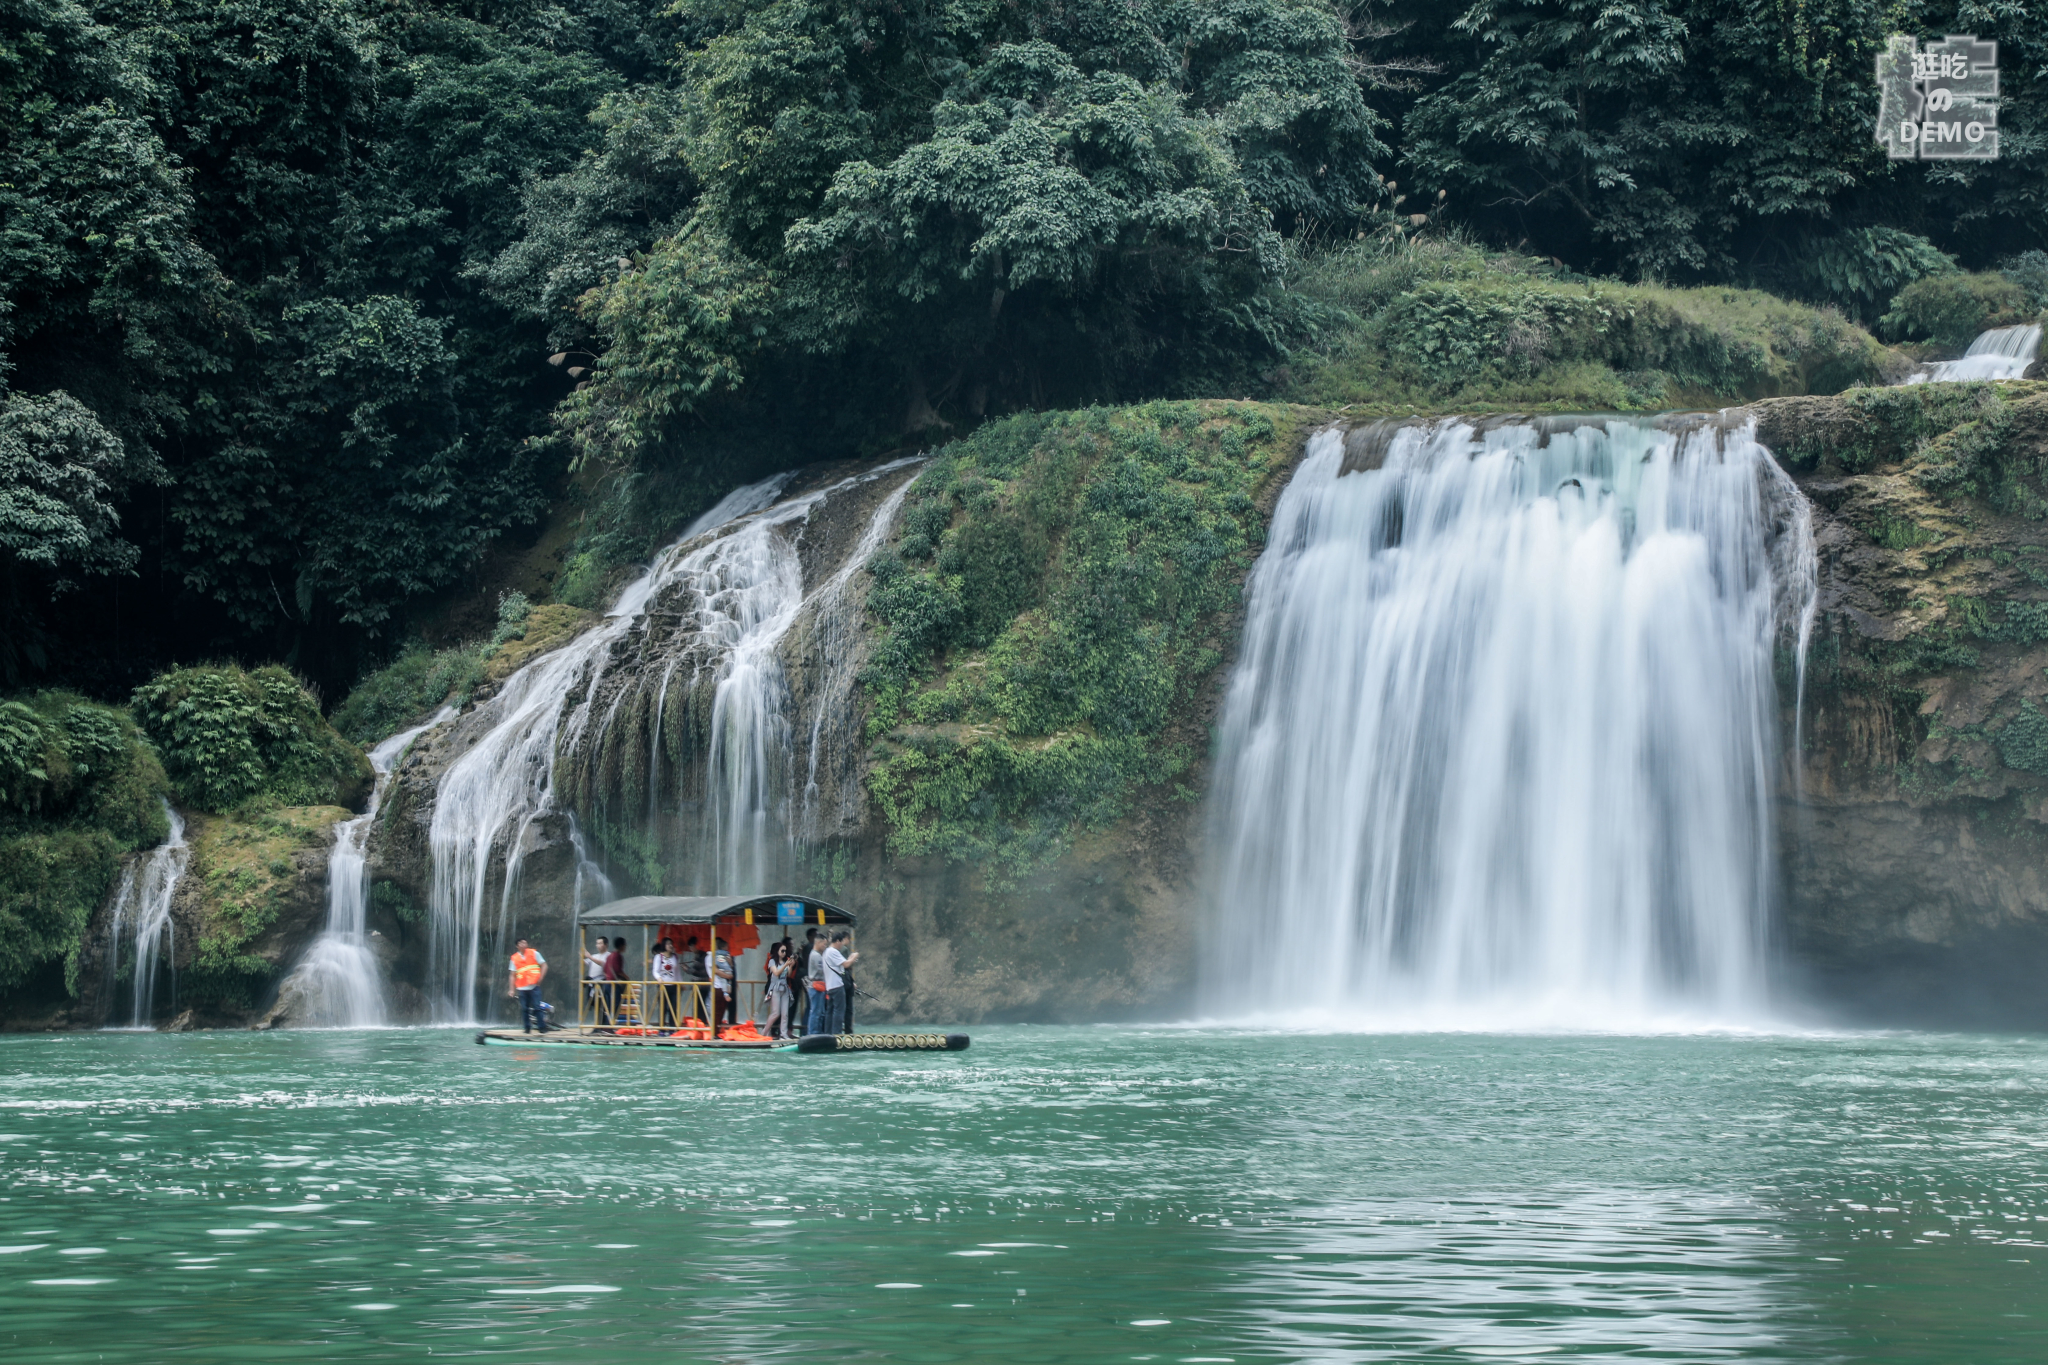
(337,984)
(2001,353)
(704,629)
(142,914)
(1500,745)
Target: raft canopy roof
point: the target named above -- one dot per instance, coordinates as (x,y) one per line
(706,909)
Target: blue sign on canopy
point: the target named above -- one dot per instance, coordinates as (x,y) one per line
(789,912)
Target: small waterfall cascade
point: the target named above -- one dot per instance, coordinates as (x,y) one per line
(2001,353)
(686,673)
(491,796)
(1500,744)
(337,983)
(142,914)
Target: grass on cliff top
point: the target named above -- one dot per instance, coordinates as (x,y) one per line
(245,871)
(1059,586)
(1440,325)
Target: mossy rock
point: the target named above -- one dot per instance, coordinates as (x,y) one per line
(231,737)
(256,894)
(546,628)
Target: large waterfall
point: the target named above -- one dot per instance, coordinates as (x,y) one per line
(692,651)
(1500,746)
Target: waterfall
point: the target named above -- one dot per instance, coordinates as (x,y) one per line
(1500,743)
(493,794)
(337,983)
(709,622)
(142,910)
(2001,353)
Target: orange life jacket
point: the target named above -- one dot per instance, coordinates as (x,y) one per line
(526,969)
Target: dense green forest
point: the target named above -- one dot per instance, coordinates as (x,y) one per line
(310,305)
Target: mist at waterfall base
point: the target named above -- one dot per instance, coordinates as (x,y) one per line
(1057,1194)
(1499,748)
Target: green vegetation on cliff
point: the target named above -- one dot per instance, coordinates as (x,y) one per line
(79,787)
(1440,325)
(233,738)
(1937,496)
(1060,588)
(248,870)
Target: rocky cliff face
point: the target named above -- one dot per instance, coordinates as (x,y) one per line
(1913,829)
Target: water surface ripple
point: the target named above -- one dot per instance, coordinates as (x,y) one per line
(1056,1194)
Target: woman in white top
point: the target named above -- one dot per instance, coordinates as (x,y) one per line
(667,971)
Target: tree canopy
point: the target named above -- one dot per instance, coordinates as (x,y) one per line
(283,280)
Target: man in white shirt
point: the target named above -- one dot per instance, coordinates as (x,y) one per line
(593,976)
(837,960)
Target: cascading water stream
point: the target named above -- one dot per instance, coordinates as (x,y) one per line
(493,794)
(337,983)
(741,591)
(1499,748)
(2001,353)
(142,910)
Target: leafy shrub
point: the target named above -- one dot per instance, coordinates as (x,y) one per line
(513,609)
(2029,270)
(407,691)
(231,738)
(2023,743)
(78,788)
(1952,309)
(1860,269)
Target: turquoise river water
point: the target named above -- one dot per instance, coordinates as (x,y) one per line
(1055,1194)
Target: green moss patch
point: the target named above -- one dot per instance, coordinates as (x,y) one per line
(246,871)
(1060,586)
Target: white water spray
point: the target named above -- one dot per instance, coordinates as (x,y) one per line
(1500,744)
(142,911)
(2001,353)
(490,798)
(740,591)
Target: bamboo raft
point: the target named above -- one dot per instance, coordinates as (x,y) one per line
(642,1013)
(816,1042)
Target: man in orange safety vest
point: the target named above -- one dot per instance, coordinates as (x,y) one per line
(529,969)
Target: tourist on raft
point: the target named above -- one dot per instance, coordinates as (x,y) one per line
(693,972)
(779,1023)
(668,973)
(836,961)
(529,969)
(722,1003)
(614,975)
(593,977)
(817,1005)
